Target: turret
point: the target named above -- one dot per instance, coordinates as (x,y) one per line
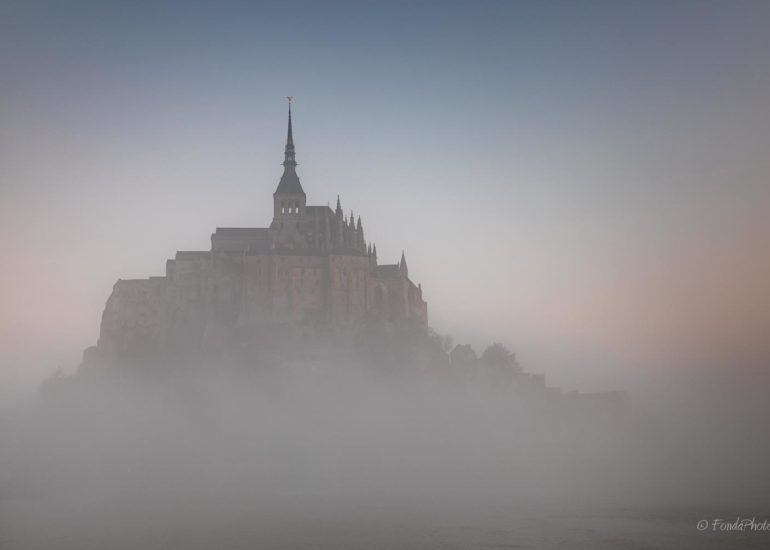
(339,234)
(360,236)
(402,265)
(373,259)
(350,232)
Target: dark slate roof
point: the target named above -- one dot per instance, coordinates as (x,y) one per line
(149,281)
(191,254)
(320,214)
(240,239)
(289,184)
(318,211)
(388,271)
(243,232)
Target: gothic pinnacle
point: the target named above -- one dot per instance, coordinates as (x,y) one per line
(289,153)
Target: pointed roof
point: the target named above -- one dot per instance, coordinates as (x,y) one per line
(289,184)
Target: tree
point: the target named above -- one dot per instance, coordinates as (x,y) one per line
(499,357)
(463,355)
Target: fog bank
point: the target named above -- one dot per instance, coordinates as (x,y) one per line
(231,457)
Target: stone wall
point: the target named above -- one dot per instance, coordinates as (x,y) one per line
(210,299)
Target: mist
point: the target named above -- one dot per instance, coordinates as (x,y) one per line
(346,453)
(585,183)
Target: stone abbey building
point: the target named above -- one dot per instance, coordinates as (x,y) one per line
(310,275)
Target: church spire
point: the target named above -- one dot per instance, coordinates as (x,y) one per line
(289,184)
(289,154)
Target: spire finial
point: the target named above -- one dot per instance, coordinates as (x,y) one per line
(289,153)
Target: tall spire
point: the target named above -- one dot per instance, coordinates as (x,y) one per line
(289,154)
(289,183)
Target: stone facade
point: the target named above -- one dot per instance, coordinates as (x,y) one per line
(311,273)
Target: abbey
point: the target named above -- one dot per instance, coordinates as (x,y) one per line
(311,273)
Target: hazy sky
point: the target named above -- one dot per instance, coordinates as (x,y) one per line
(588,182)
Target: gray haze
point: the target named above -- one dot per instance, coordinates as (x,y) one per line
(585,182)
(352,456)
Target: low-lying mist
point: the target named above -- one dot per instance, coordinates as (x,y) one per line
(223,456)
